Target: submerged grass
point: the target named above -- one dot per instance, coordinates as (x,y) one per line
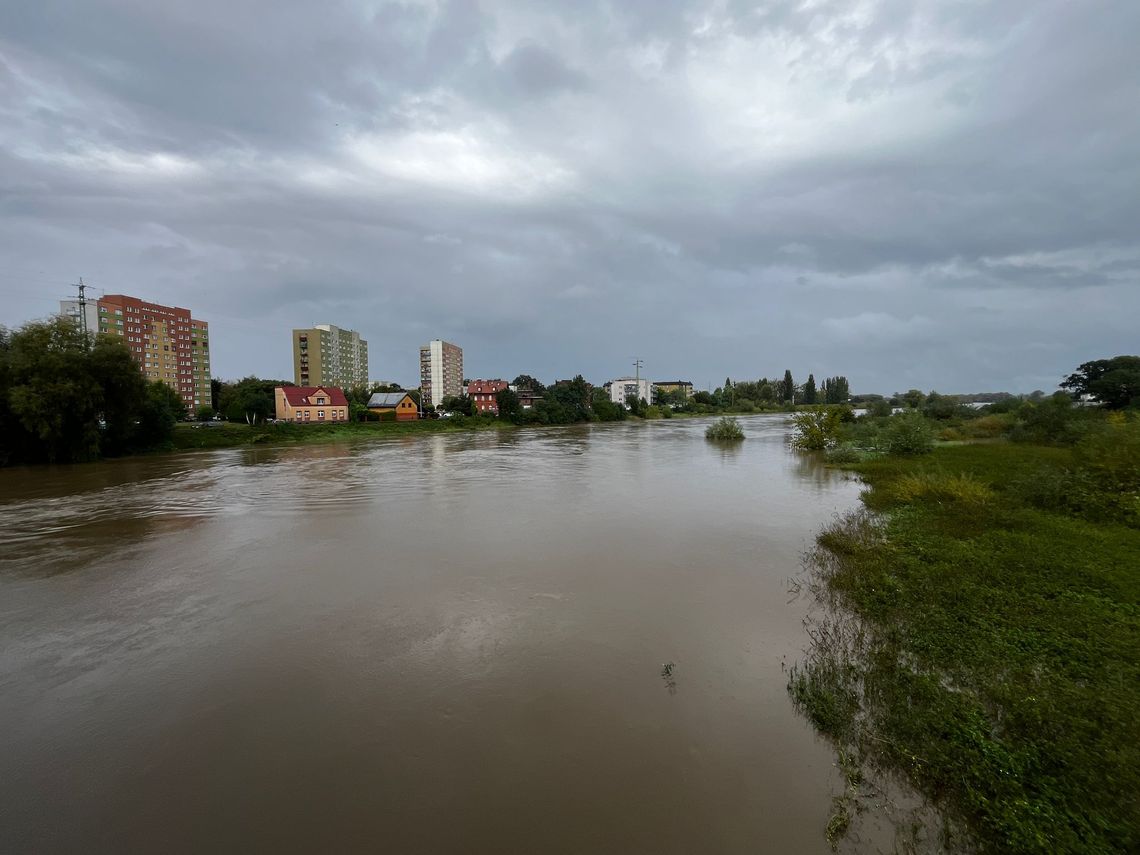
(985,647)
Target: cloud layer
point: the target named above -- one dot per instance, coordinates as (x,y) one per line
(912,193)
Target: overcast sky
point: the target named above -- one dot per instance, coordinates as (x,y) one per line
(940,194)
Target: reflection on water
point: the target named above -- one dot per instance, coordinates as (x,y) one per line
(419,644)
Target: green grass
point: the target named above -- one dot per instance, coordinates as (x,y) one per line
(998,667)
(230,434)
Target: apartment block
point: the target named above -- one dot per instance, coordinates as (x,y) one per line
(167,343)
(326,355)
(441,371)
(621,388)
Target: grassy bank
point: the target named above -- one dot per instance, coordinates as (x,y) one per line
(231,434)
(985,644)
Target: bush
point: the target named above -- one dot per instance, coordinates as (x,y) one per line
(908,433)
(725,428)
(880,408)
(987,427)
(937,487)
(817,428)
(844,454)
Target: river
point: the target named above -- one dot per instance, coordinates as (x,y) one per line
(440,643)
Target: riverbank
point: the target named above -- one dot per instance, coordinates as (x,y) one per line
(982,643)
(188,437)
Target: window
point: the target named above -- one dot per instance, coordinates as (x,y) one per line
(320,414)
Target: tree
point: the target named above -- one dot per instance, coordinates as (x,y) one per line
(1114,382)
(459,404)
(205,413)
(248,400)
(703,397)
(66,397)
(836,390)
(817,428)
(162,408)
(809,395)
(525,381)
(787,388)
(508,404)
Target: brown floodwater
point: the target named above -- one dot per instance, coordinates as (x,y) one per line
(441,643)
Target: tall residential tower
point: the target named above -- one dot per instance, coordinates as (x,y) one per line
(329,356)
(441,371)
(165,341)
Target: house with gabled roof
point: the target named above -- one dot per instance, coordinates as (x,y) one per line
(311,404)
(398,405)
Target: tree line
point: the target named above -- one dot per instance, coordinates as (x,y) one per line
(67,396)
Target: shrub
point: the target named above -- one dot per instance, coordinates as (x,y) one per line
(987,427)
(879,408)
(937,487)
(725,428)
(908,433)
(817,428)
(844,454)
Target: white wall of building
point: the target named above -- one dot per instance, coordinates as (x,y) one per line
(624,386)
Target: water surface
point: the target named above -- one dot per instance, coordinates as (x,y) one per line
(445,643)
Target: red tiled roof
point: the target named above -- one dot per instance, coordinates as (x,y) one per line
(486,386)
(299,396)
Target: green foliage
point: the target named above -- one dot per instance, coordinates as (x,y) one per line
(810,393)
(250,400)
(993,663)
(204,413)
(836,390)
(1114,382)
(508,404)
(786,388)
(525,381)
(908,433)
(817,428)
(879,408)
(67,398)
(725,429)
(844,454)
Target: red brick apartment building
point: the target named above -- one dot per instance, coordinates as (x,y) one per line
(165,341)
(483,392)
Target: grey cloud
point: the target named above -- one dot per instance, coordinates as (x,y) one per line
(909,192)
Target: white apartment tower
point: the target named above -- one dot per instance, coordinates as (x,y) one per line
(441,371)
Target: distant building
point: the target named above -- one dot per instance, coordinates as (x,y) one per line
(483,393)
(623,387)
(310,404)
(326,355)
(671,386)
(441,372)
(400,405)
(527,397)
(168,344)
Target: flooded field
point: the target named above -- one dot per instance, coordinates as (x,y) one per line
(446,643)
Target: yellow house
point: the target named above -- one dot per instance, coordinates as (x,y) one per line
(311,404)
(401,404)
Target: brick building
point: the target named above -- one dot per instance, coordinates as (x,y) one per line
(483,392)
(166,342)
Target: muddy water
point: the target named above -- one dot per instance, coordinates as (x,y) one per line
(431,644)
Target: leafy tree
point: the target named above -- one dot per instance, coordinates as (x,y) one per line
(1114,382)
(508,403)
(765,392)
(703,397)
(836,390)
(205,413)
(459,404)
(817,428)
(525,381)
(809,394)
(161,409)
(912,399)
(65,397)
(248,400)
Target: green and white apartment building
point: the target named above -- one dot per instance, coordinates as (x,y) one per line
(326,355)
